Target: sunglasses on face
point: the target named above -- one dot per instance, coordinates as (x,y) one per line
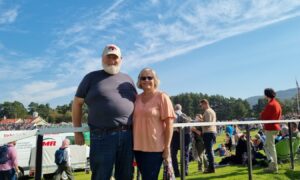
(149,78)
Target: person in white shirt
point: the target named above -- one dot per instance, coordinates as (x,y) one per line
(66,166)
(209,134)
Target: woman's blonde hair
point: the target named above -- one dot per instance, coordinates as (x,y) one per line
(155,78)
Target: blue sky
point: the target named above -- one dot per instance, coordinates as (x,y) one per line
(227,47)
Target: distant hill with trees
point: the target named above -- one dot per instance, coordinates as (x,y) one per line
(282,95)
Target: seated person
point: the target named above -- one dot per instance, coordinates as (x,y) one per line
(237,133)
(262,135)
(241,151)
(228,142)
(258,142)
(283,134)
(295,131)
(221,150)
(225,148)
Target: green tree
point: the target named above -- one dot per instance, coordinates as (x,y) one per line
(240,109)
(226,108)
(63,109)
(13,110)
(44,110)
(258,108)
(33,107)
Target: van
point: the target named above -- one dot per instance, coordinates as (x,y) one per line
(26,152)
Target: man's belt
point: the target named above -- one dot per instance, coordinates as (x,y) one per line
(112,129)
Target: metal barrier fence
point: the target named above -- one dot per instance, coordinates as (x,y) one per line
(40,133)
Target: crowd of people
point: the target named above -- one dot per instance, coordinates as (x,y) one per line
(30,126)
(125,125)
(119,119)
(17,126)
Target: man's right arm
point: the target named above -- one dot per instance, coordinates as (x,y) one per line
(76,118)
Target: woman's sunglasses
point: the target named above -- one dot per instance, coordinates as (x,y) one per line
(149,78)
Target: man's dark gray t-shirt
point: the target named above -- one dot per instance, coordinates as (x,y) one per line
(110,98)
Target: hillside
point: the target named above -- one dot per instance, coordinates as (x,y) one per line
(282,95)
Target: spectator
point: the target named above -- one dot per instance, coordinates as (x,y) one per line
(221,150)
(152,126)
(236,134)
(65,165)
(209,134)
(283,134)
(241,156)
(258,142)
(199,144)
(229,129)
(295,131)
(109,95)
(272,111)
(8,162)
(175,145)
(225,148)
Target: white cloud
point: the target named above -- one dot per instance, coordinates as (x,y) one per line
(154,1)
(81,61)
(22,69)
(85,30)
(172,31)
(8,16)
(147,33)
(41,92)
(196,24)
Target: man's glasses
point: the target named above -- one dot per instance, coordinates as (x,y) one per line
(149,78)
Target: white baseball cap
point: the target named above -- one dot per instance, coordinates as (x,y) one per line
(111,49)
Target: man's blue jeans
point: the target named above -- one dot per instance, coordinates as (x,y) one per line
(108,150)
(209,140)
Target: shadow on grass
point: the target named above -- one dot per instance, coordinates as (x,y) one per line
(292,174)
(283,174)
(219,176)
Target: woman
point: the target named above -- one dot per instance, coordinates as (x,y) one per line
(152,125)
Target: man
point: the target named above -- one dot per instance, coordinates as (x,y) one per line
(8,162)
(175,144)
(272,111)
(65,164)
(109,95)
(199,144)
(209,134)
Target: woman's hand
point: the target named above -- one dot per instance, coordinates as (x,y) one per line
(167,154)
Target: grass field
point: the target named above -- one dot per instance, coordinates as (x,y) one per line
(231,172)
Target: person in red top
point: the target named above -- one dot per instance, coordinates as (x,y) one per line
(272,111)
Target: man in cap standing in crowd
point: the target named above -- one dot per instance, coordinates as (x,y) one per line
(109,95)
